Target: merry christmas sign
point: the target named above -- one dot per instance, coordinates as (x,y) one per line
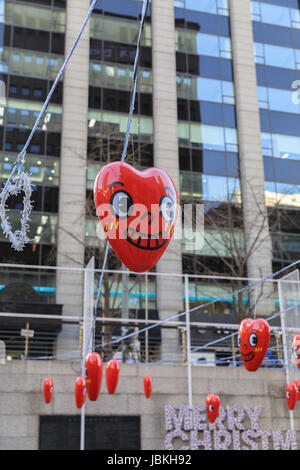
(236,428)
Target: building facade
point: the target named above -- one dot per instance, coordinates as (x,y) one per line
(216,108)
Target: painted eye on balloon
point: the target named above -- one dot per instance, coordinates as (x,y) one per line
(253,340)
(167,208)
(295,352)
(121,203)
(211,408)
(288,394)
(239,340)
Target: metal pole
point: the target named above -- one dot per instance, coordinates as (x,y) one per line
(88,329)
(285,350)
(26,340)
(188,339)
(146,318)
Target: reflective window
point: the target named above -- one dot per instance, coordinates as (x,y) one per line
(275,14)
(209,187)
(277,56)
(281,146)
(19,62)
(207,137)
(119,76)
(205,89)
(24,114)
(116,124)
(203,44)
(103,27)
(30,16)
(207,6)
(277,100)
(44,171)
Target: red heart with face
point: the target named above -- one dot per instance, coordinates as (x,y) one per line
(80,391)
(254,338)
(138,211)
(48,390)
(148,386)
(94,372)
(212,407)
(290,395)
(296,349)
(112,375)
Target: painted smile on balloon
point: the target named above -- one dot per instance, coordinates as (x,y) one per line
(145,241)
(248,357)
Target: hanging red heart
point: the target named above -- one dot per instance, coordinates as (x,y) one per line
(138,212)
(296,349)
(80,391)
(48,390)
(254,337)
(94,372)
(290,395)
(112,375)
(212,407)
(297,383)
(147,385)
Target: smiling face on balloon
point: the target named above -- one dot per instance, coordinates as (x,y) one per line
(254,338)
(137,211)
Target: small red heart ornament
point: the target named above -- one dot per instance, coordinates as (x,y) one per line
(212,407)
(94,372)
(147,385)
(48,389)
(80,392)
(112,375)
(138,212)
(296,349)
(290,395)
(254,337)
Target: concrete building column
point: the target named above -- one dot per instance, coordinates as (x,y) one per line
(169,289)
(72,194)
(256,226)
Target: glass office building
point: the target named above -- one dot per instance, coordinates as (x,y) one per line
(208,134)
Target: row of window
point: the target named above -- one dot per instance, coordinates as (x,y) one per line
(29,16)
(282,170)
(33,64)
(280,146)
(277,56)
(279,123)
(32,39)
(277,35)
(215,7)
(12,139)
(275,77)
(274,14)
(44,171)
(208,162)
(284,3)
(278,100)
(200,43)
(207,137)
(207,113)
(207,23)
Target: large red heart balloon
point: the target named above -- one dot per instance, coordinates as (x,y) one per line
(212,407)
(290,395)
(112,375)
(296,349)
(94,372)
(254,337)
(138,212)
(48,389)
(80,392)
(147,385)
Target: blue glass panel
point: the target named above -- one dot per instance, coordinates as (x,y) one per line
(269,169)
(284,123)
